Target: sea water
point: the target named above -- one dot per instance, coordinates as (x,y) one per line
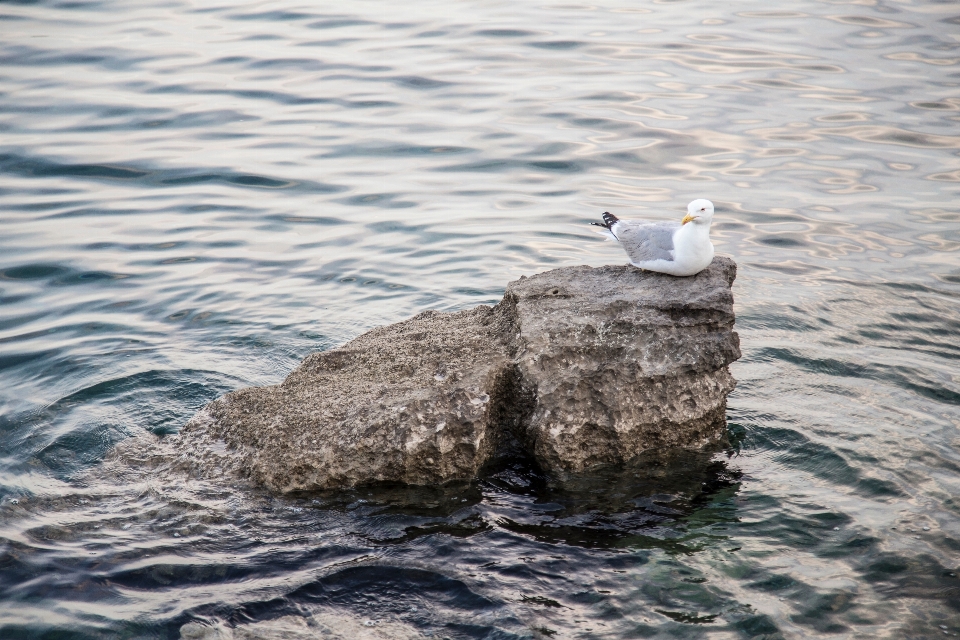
(195,195)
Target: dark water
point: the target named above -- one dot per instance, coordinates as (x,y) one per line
(194,196)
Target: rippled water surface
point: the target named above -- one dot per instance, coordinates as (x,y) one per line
(195,195)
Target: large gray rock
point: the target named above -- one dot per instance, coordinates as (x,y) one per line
(621,360)
(577,366)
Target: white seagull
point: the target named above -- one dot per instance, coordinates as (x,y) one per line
(678,248)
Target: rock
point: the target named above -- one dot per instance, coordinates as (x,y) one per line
(411,402)
(620,361)
(578,366)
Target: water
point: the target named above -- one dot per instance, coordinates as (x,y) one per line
(195,195)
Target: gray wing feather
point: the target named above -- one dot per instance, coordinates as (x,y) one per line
(645,241)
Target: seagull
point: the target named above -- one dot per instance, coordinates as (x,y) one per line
(677,248)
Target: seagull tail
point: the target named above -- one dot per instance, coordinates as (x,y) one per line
(608,221)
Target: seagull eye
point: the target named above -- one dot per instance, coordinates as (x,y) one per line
(703,209)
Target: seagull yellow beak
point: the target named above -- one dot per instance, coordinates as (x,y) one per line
(687,218)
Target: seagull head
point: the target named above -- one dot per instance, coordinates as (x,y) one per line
(699,212)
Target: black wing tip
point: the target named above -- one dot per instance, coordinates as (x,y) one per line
(609,219)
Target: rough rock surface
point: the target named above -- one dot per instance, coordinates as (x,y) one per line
(620,360)
(578,366)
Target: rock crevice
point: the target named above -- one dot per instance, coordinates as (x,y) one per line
(577,366)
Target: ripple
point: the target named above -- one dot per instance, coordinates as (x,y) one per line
(871,21)
(43,169)
(33,272)
(557,45)
(339,23)
(272,16)
(390,150)
(893,135)
(505,33)
(47,168)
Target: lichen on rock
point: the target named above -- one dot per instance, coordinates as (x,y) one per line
(577,366)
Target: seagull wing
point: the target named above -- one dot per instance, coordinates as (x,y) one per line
(645,241)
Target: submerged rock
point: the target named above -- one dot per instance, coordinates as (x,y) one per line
(577,366)
(324,626)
